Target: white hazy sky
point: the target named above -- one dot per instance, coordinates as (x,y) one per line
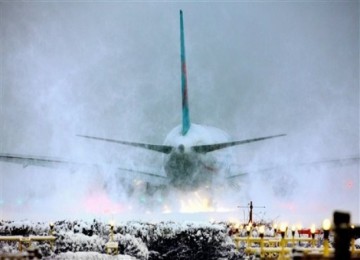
(112,69)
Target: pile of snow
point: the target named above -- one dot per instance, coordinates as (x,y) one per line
(91,256)
(140,240)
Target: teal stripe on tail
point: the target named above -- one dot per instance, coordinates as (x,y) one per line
(184,91)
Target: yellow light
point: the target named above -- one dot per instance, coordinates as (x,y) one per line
(326,224)
(312,229)
(283,227)
(293,228)
(299,227)
(196,203)
(262,229)
(248,228)
(275,226)
(234,222)
(112,223)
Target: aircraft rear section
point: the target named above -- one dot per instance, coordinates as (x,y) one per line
(185,171)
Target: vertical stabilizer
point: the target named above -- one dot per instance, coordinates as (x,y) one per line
(184,90)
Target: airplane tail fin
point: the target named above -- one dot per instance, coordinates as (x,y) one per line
(184,91)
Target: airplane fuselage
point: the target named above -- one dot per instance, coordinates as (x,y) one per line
(187,169)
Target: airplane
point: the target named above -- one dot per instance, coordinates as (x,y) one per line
(189,160)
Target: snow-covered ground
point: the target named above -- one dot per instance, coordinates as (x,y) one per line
(137,240)
(91,256)
(81,239)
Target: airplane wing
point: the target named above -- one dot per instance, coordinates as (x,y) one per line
(167,149)
(51,162)
(27,160)
(329,162)
(158,148)
(213,147)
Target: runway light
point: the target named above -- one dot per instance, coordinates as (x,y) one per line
(293,228)
(262,231)
(275,228)
(299,227)
(326,227)
(326,224)
(312,230)
(283,227)
(51,231)
(112,224)
(248,228)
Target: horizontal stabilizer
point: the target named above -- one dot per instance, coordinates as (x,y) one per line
(158,148)
(213,147)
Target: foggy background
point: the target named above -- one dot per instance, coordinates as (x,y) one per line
(112,69)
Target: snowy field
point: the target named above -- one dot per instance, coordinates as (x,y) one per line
(137,240)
